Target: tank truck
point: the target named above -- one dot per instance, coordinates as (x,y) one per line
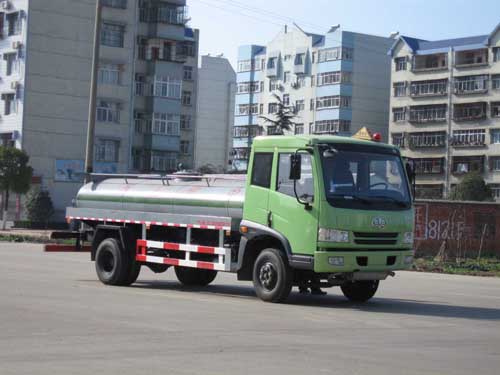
(314,211)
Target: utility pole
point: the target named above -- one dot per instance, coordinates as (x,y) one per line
(89,151)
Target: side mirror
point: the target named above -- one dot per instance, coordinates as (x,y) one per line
(295,166)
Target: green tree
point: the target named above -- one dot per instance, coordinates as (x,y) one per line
(15,175)
(39,206)
(283,117)
(472,188)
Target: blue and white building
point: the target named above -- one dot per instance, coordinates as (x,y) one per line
(337,83)
(445,109)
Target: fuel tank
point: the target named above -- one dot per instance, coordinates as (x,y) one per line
(218,197)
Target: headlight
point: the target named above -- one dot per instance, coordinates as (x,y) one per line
(408,237)
(336,261)
(333,235)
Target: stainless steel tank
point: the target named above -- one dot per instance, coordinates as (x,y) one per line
(223,198)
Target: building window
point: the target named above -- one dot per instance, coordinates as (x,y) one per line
(120,4)
(107,150)
(9,104)
(475,57)
(495,189)
(286,77)
(185,122)
(185,148)
(331,127)
(286,99)
(333,102)
(471,84)
(14,23)
(250,87)
(429,88)
(166,124)
(299,129)
(11,63)
(398,139)
(469,111)
(313,57)
(108,111)
(428,140)
(400,63)
(311,104)
(188,73)
(332,78)
(163,161)
(274,85)
(299,105)
(272,108)
(495,136)
(430,62)
(429,166)
(112,35)
(337,53)
(494,163)
(248,109)
(495,109)
(300,81)
(465,164)
(300,58)
(496,54)
(399,89)
(428,113)
(271,62)
(109,74)
(163,87)
(399,114)
(469,137)
(162,12)
(495,82)
(246,131)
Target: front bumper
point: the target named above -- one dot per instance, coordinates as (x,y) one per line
(367,261)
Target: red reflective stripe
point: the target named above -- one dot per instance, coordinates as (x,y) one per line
(205,265)
(172,262)
(171,246)
(206,250)
(140,258)
(142,243)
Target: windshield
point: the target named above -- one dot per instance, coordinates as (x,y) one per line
(365,177)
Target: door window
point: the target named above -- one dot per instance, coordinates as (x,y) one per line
(261,171)
(304,186)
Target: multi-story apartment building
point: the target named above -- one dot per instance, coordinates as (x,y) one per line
(146,96)
(445,109)
(215,113)
(337,83)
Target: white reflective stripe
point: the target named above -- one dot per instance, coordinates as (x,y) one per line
(184,263)
(189,248)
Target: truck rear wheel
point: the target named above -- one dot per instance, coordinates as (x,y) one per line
(195,276)
(114,265)
(360,291)
(272,276)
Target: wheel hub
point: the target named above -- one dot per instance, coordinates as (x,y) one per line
(268,276)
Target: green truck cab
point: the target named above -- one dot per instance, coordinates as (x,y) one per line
(336,211)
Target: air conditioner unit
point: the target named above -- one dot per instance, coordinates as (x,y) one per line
(14,85)
(5,5)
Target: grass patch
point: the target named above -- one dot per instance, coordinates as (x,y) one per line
(472,267)
(33,239)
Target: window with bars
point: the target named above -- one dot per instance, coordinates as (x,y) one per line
(186,98)
(332,78)
(398,139)
(429,166)
(108,111)
(469,111)
(248,109)
(399,114)
(471,84)
(469,138)
(9,104)
(495,109)
(272,108)
(246,131)
(185,122)
(400,63)
(166,124)
(495,81)
(250,87)
(429,88)
(112,35)
(299,105)
(427,140)
(465,164)
(107,150)
(336,53)
(399,89)
(162,12)
(331,127)
(428,113)
(109,74)
(299,129)
(188,73)
(333,102)
(274,85)
(14,23)
(494,163)
(495,136)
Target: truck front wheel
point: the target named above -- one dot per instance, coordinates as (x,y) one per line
(272,276)
(114,265)
(195,276)
(360,291)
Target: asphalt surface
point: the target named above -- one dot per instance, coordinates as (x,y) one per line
(56,318)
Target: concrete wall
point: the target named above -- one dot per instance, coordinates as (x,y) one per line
(215,113)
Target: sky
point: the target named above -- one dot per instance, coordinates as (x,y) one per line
(226,24)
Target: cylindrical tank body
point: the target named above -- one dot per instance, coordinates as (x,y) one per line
(223,198)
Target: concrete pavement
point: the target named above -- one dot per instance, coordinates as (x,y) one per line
(56,318)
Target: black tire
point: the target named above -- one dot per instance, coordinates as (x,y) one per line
(115,265)
(360,291)
(272,276)
(195,276)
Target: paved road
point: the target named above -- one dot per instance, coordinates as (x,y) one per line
(55,318)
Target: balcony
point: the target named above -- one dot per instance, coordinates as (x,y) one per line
(240,153)
(426,63)
(300,64)
(466,164)
(163,50)
(469,111)
(167,13)
(469,138)
(427,140)
(471,85)
(469,59)
(421,89)
(428,114)
(429,166)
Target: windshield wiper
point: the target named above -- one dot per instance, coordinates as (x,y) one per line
(392,199)
(353,197)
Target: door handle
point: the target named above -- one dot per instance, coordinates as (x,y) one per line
(269,219)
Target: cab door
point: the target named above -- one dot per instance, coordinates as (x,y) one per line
(256,206)
(289,217)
